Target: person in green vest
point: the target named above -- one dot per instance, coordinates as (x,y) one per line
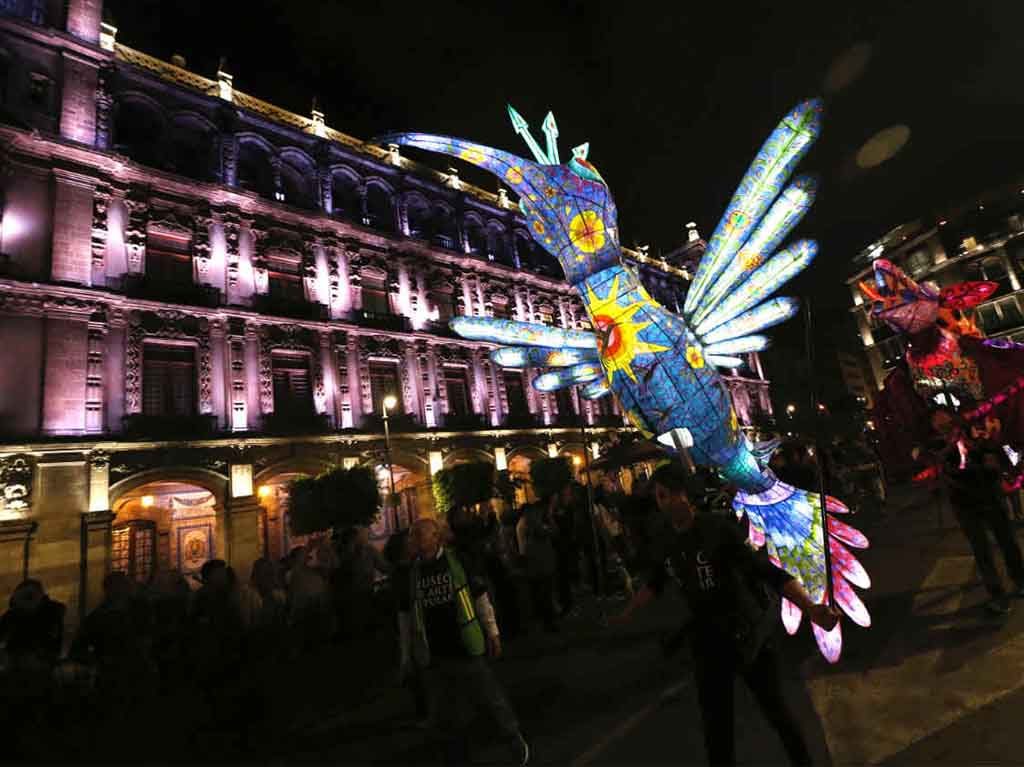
(448,630)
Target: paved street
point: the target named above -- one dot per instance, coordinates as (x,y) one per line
(933,680)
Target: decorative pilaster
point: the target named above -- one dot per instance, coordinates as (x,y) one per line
(473,374)
(100,205)
(205,371)
(16,480)
(94,374)
(266,374)
(236,347)
(137,203)
(491,388)
(341,354)
(319,356)
(232,234)
(309,275)
(261,280)
(229,159)
(104,106)
(429,404)
(407,367)
(201,243)
(366,394)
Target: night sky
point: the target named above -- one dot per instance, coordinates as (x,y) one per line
(674,99)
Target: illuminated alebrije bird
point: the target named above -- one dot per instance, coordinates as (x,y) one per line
(661,366)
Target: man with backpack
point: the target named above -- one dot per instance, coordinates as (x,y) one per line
(732,615)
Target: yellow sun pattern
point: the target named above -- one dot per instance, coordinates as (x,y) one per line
(586,230)
(614,322)
(694,357)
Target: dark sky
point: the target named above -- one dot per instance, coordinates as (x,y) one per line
(675,98)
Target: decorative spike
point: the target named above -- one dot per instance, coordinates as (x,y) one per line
(551,134)
(580,152)
(521,128)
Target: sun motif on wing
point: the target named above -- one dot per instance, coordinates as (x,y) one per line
(618,337)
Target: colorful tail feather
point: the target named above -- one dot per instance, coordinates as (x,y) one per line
(788,521)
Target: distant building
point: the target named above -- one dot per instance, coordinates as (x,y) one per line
(982,239)
(856,377)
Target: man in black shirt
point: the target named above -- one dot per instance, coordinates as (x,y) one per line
(732,615)
(972,470)
(448,629)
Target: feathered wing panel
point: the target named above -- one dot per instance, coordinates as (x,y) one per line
(541,356)
(743,345)
(724,361)
(762,183)
(788,521)
(517,333)
(785,265)
(596,390)
(562,378)
(764,316)
(780,220)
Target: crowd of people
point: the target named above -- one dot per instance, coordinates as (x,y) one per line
(452,593)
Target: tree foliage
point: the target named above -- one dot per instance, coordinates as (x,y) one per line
(463,485)
(338,498)
(549,475)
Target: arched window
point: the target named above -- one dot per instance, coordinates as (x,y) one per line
(345,196)
(380,212)
(138,131)
(476,236)
(418,214)
(496,250)
(191,149)
(297,181)
(254,171)
(445,232)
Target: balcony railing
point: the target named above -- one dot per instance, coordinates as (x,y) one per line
(296,423)
(463,422)
(397,422)
(169,426)
(296,308)
(439,328)
(147,286)
(521,421)
(394,322)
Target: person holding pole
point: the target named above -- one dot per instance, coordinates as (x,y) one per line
(729,588)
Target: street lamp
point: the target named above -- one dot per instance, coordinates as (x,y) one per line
(389,402)
(790,409)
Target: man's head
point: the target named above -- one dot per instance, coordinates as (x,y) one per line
(215,573)
(671,494)
(426,538)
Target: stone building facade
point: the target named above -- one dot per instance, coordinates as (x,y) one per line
(203,296)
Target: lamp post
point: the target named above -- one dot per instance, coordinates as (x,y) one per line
(388,403)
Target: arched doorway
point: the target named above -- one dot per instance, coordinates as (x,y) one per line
(414,493)
(164,525)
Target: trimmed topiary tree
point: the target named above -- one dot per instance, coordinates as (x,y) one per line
(549,475)
(463,485)
(336,499)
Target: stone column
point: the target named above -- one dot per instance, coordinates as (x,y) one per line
(15,546)
(229,158)
(410,382)
(79,78)
(61,496)
(325,186)
(83,19)
(242,520)
(96,532)
(488,370)
(366,393)
(65,366)
(252,377)
(72,227)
